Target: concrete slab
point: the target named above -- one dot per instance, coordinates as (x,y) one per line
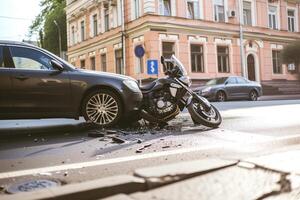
(156,176)
(87,190)
(285,161)
(229,183)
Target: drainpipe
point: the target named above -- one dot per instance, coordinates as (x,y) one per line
(243,64)
(123,36)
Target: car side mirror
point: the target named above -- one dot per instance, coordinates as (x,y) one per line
(57,65)
(226,83)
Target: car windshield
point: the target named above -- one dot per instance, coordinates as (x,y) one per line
(217,81)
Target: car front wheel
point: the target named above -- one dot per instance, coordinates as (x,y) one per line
(221,96)
(253,96)
(102,108)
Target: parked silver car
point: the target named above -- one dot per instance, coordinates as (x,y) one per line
(230,88)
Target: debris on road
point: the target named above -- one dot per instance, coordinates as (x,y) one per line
(140,150)
(96,134)
(139,141)
(117,139)
(111,132)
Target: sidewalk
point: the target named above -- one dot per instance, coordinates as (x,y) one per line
(279,97)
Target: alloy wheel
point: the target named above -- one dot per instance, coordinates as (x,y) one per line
(221,96)
(102,109)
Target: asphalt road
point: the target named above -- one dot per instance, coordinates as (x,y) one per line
(74,156)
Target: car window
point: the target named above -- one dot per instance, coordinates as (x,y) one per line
(1,57)
(25,58)
(241,80)
(231,80)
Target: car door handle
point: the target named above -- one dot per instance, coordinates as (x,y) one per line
(21,77)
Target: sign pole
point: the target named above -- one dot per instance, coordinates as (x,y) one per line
(140,72)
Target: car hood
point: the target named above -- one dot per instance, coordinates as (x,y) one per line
(106,74)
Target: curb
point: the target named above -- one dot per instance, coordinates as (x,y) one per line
(95,189)
(7,132)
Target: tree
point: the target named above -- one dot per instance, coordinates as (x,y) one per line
(48,31)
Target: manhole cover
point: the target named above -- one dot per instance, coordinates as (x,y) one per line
(32,185)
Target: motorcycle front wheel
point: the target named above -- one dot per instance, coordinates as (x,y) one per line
(212,118)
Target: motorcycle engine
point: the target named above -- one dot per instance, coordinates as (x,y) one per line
(163,104)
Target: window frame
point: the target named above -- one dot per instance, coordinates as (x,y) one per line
(119,59)
(251,13)
(227,54)
(102,66)
(216,11)
(82,30)
(201,54)
(95,24)
(277,69)
(93,60)
(275,16)
(106,20)
(295,18)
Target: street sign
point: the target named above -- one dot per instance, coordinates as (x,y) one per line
(152,67)
(139,51)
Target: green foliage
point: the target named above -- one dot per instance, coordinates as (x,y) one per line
(44,25)
(290,53)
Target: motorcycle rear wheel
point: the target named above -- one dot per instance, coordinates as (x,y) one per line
(212,118)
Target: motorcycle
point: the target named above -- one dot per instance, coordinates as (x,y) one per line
(165,98)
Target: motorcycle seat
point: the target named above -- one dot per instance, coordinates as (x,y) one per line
(148,86)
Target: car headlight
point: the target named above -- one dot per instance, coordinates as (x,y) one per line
(132,85)
(206,90)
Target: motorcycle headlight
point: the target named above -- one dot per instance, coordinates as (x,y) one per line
(132,85)
(206,90)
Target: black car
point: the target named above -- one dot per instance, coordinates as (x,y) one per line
(230,88)
(34,83)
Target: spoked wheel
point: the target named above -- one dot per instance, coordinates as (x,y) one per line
(211,118)
(221,96)
(253,96)
(102,108)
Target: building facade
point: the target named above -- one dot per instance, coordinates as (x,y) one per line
(203,34)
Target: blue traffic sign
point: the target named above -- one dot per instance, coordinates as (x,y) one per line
(152,67)
(139,51)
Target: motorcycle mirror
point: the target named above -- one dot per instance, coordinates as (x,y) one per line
(162,60)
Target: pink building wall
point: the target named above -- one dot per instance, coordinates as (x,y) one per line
(150,27)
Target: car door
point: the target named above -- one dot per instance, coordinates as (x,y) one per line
(5,84)
(243,89)
(231,88)
(38,89)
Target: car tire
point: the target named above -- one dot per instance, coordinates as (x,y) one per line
(253,96)
(220,96)
(102,108)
